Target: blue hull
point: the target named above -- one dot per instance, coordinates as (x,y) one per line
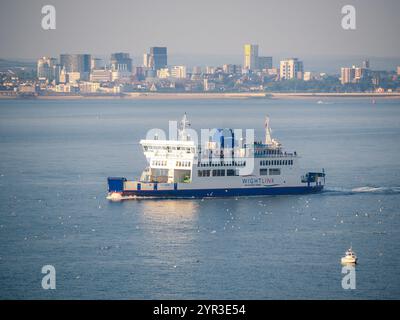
(234,192)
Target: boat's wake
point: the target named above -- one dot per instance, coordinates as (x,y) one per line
(360,190)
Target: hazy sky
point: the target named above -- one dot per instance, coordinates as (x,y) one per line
(203,27)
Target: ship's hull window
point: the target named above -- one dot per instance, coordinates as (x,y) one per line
(218,173)
(232,172)
(203,173)
(274,172)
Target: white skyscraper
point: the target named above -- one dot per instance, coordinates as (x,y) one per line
(291,69)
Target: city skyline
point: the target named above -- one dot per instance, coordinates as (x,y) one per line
(85,74)
(228,26)
(327,64)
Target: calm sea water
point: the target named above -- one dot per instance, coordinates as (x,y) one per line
(56,155)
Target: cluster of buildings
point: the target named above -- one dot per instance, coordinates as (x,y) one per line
(355,74)
(364,77)
(85,74)
(82,73)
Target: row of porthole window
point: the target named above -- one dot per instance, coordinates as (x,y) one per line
(222,164)
(182,164)
(218,173)
(159,163)
(276,162)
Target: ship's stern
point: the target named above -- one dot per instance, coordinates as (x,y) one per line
(315,180)
(115,188)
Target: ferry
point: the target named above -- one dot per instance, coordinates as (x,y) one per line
(222,167)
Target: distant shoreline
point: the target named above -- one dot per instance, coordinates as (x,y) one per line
(307,95)
(208,95)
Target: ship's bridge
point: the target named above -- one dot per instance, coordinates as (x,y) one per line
(168,148)
(169,160)
(262,150)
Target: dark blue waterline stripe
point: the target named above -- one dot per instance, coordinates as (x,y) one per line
(233,192)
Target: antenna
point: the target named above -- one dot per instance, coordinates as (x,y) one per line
(183,124)
(268,139)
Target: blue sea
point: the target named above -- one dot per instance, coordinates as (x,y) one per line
(55,157)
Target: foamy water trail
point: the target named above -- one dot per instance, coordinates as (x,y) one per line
(364,189)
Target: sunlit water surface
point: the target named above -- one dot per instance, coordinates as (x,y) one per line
(56,155)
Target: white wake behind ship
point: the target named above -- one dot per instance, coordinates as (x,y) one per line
(180,168)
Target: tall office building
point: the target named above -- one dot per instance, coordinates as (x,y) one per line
(158,56)
(121,62)
(264,63)
(347,75)
(291,69)
(148,61)
(96,64)
(46,68)
(353,74)
(365,64)
(58,69)
(359,73)
(62,76)
(139,73)
(250,56)
(77,63)
(398,70)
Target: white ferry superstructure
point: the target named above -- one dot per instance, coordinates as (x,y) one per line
(181,169)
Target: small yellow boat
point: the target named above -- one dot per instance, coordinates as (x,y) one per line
(350,257)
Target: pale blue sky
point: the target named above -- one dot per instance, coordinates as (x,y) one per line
(207,27)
